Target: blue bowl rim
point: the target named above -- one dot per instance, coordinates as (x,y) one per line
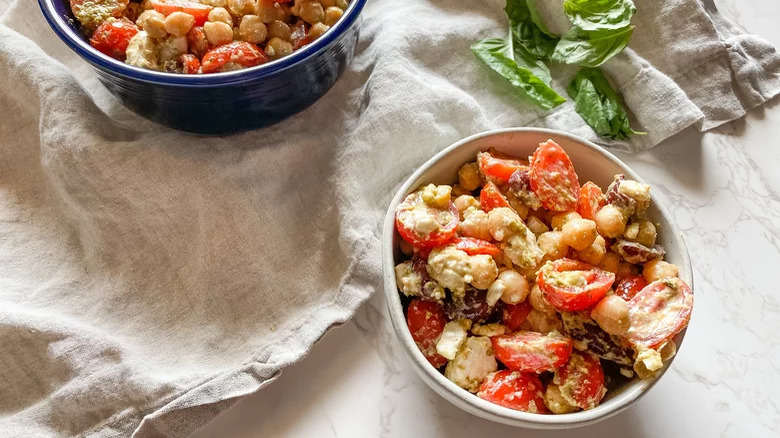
(77,43)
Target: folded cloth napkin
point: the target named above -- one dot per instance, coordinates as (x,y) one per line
(150,278)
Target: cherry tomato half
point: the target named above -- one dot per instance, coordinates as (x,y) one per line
(659,311)
(198,10)
(197,43)
(514,390)
(514,314)
(414,211)
(238,52)
(571,285)
(490,197)
(532,351)
(591,200)
(113,36)
(190,64)
(498,167)
(581,380)
(628,287)
(426,321)
(474,246)
(553,178)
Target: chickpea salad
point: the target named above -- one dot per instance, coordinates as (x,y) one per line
(532,291)
(203,36)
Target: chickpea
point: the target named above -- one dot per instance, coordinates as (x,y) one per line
(278,48)
(239,8)
(647,233)
(462,202)
(555,401)
(610,221)
(595,253)
(433,195)
(544,322)
(342,4)
(147,5)
(220,15)
(625,269)
(539,302)
(658,269)
(153,23)
(518,206)
(327,3)
(312,12)
(179,23)
(269,11)
(551,244)
(332,15)
(536,225)
(468,176)
(510,287)
(475,224)
(252,29)
(610,262)
(279,29)
(611,314)
(218,33)
(579,233)
(558,220)
(316,31)
(483,271)
(215,3)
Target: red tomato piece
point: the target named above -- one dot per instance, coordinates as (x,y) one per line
(553,178)
(628,287)
(426,321)
(239,53)
(514,390)
(190,64)
(490,197)
(532,351)
(659,311)
(198,10)
(514,314)
(591,200)
(498,167)
(474,246)
(112,38)
(571,285)
(581,381)
(409,213)
(197,43)
(299,36)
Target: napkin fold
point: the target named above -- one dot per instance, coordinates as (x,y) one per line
(150,278)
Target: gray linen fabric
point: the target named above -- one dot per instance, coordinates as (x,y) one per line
(150,278)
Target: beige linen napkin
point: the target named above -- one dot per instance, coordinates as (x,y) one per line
(150,278)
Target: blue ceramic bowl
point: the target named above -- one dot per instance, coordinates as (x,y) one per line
(220,102)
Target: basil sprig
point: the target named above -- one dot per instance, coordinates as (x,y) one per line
(519,57)
(602,29)
(599,105)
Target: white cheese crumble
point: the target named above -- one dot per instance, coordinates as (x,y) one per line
(472,364)
(452,338)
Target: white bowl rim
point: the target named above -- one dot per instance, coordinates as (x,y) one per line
(462,398)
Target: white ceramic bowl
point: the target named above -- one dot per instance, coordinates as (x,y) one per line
(592,163)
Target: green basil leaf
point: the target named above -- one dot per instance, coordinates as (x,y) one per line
(524,23)
(537,19)
(497,54)
(599,15)
(591,49)
(599,105)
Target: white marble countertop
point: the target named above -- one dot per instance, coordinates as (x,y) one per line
(724,190)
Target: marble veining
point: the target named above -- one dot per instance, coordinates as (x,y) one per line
(723,189)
